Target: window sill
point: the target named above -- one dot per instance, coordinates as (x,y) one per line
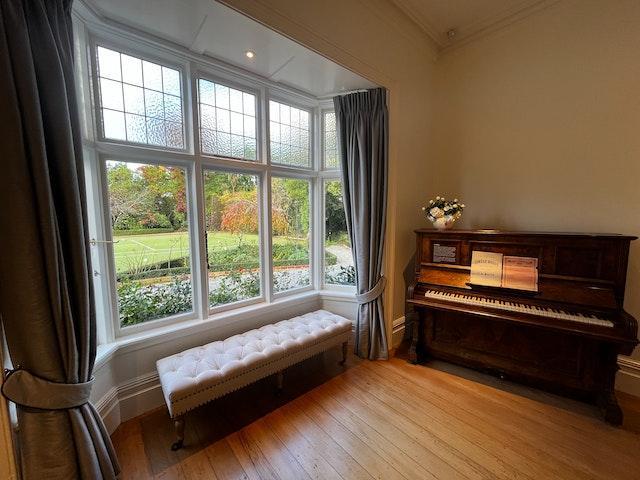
(136,341)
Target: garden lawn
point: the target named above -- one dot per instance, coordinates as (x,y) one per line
(132,252)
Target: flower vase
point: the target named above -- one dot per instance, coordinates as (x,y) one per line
(444,223)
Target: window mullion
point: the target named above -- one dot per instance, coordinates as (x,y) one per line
(201,268)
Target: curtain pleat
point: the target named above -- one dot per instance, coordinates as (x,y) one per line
(362,128)
(46,296)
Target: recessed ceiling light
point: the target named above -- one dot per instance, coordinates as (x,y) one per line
(250,54)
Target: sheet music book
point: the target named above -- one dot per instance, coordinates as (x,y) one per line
(520,273)
(486,268)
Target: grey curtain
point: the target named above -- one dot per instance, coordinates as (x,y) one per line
(46,298)
(362,126)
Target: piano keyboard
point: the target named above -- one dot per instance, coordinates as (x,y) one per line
(517,307)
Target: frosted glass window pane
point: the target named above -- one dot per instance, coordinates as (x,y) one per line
(249,127)
(207,140)
(171,81)
(113,125)
(120,92)
(154,104)
(108,64)
(237,146)
(235,100)
(274,111)
(330,153)
(208,117)
(136,128)
(174,134)
(285,114)
(155,132)
(295,117)
(172,108)
(152,76)
(223,143)
(231,125)
(249,104)
(207,92)
(250,149)
(222,96)
(223,120)
(289,135)
(111,94)
(237,123)
(133,99)
(131,70)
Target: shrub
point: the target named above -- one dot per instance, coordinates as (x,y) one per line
(141,303)
(343,276)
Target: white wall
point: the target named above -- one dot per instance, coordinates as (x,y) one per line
(537,126)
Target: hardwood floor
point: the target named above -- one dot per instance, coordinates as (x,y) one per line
(383,420)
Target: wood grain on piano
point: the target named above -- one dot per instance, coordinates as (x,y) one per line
(579,275)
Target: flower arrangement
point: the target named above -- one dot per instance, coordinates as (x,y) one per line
(443,213)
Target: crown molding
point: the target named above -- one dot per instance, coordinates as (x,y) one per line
(476,30)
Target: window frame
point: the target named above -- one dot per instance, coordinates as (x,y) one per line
(248,87)
(312,110)
(193,66)
(261,250)
(152,55)
(329,177)
(323,150)
(119,330)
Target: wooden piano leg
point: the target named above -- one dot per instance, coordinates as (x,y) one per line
(607,400)
(417,337)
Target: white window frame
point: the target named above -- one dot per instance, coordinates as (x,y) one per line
(151,55)
(260,94)
(324,110)
(193,66)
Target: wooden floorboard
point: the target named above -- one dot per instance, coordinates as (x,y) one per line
(385,420)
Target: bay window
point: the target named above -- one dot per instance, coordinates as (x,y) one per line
(213,190)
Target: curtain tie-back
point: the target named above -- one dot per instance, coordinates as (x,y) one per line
(28,390)
(374,293)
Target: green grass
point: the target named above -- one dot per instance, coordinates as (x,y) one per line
(136,251)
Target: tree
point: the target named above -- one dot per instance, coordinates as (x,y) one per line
(126,195)
(166,195)
(336,222)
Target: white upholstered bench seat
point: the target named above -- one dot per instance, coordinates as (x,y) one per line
(201,374)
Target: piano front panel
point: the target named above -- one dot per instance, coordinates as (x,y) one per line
(503,343)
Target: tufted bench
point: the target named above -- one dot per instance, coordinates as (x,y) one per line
(199,375)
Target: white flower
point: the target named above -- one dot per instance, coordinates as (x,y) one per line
(424,208)
(436,212)
(437,198)
(462,205)
(455,200)
(430,201)
(455,205)
(447,208)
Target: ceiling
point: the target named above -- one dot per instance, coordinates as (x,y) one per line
(210,28)
(467,19)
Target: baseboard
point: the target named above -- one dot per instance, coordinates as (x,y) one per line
(131,399)
(398,332)
(628,377)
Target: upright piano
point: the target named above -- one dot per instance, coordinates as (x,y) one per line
(565,337)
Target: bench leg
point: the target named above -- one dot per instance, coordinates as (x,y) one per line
(279,381)
(178,423)
(344,353)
